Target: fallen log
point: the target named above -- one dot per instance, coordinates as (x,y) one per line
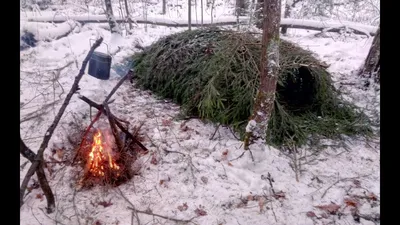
(48,32)
(331,26)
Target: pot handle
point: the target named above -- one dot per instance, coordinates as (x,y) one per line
(90,43)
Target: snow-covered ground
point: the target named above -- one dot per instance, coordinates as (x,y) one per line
(186,174)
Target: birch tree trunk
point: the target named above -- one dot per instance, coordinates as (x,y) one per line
(372,66)
(114,28)
(264,102)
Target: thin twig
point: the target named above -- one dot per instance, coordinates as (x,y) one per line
(164,217)
(51,218)
(341,180)
(75,208)
(216,129)
(114,128)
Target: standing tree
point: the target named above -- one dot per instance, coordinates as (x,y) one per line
(240,7)
(164,7)
(111,19)
(372,66)
(128,17)
(201,14)
(259,13)
(190,14)
(264,102)
(290,4)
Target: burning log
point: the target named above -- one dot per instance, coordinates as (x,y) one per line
(102,164)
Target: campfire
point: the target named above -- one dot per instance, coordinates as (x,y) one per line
(100,159)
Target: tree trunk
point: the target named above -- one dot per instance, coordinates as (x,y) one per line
(128,15)
(164,7)
(201,15)
(259,14)
(372,67)
(240,7)
(264,102)
(111,19)
(190,14)
(288,8)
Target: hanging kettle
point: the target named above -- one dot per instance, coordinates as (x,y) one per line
(100,64)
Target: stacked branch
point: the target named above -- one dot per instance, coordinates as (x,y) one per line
(215,75)
(126,149)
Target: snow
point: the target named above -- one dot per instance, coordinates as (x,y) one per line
(48,31)
(190,168)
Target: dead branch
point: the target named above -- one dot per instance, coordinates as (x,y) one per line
(44,184)
(119,125)
(161,216)
(114,130)
(132,207)
(341,180)
(216,129)
(51,129)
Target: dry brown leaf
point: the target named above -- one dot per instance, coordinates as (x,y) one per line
(166,122)
(224,155)
(230,164)
(154,160)
(39,196)
(261,203)
(311,214)
(357,183)
(331,208)
(279,194)
(250,197)
(372,196)
(183,207)
(105,204)
(200,212)
(351,202)
(60,153)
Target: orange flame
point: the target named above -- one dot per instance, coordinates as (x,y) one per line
(97,156)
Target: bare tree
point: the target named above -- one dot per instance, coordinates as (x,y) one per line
(201,15)
(259,13)
(264,102)
(164,7)
(190,14)
(372,66)
(290,4)
(240,7)
(128,17)
(111,19)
